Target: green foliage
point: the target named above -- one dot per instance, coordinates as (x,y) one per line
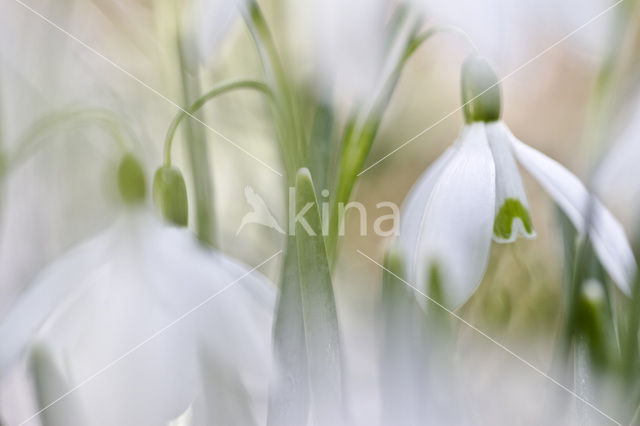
(318,307)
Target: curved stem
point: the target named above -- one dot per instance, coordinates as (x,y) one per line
(420,38)
(357,141)
(29,142)
(291,132)
(201,101)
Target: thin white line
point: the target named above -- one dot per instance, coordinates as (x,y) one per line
(536,57)
(147,340)
(500,345)
(139,81)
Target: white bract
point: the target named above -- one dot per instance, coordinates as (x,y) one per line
(144,326)
(473,193)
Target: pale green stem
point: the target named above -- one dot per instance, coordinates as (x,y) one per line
(201,101)
(31,141)
(290,126)
(198,155)
(357,142)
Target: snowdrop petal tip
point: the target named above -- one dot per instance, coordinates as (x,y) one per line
(513,217)
(606,233)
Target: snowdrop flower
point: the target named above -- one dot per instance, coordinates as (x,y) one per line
(144,326)
(473,193)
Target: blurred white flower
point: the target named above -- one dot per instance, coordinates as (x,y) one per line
(474,192)
(618,176)
(171,331)
(355,47)
(349,40)
(506,30)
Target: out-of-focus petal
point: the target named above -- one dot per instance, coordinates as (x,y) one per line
(349,39)
(128,323)
(22,321)
(617,178)
(454,230)
(512,208)
(608,236)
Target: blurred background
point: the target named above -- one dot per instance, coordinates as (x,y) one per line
(120,54)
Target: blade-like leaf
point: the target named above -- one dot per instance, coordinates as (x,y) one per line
(318,308)
(320,151)
(289,397)
(400,363)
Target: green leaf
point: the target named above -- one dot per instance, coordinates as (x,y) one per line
(321,146)
(319,310)
(400,360)
(289,396)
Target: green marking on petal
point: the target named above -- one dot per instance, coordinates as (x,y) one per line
(511,209)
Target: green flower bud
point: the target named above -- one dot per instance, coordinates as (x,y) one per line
(480,91)
(592,322)
(131,180)
(170,195)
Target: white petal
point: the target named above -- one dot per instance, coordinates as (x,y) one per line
(414,206)
(512,208)
(28,314)
(140,311)
(617,179)
(608,237)
(455,228)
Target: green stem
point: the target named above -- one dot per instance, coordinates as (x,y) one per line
(32,139)
(289,123)
(201,101)
(357,143)
(198,154)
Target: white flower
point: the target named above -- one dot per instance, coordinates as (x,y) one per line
(182,331)
(473,194)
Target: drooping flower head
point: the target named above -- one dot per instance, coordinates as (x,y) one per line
(143,325)
(473,193)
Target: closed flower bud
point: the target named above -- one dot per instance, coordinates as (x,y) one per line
(480,91)
(170,195)
(131,180)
